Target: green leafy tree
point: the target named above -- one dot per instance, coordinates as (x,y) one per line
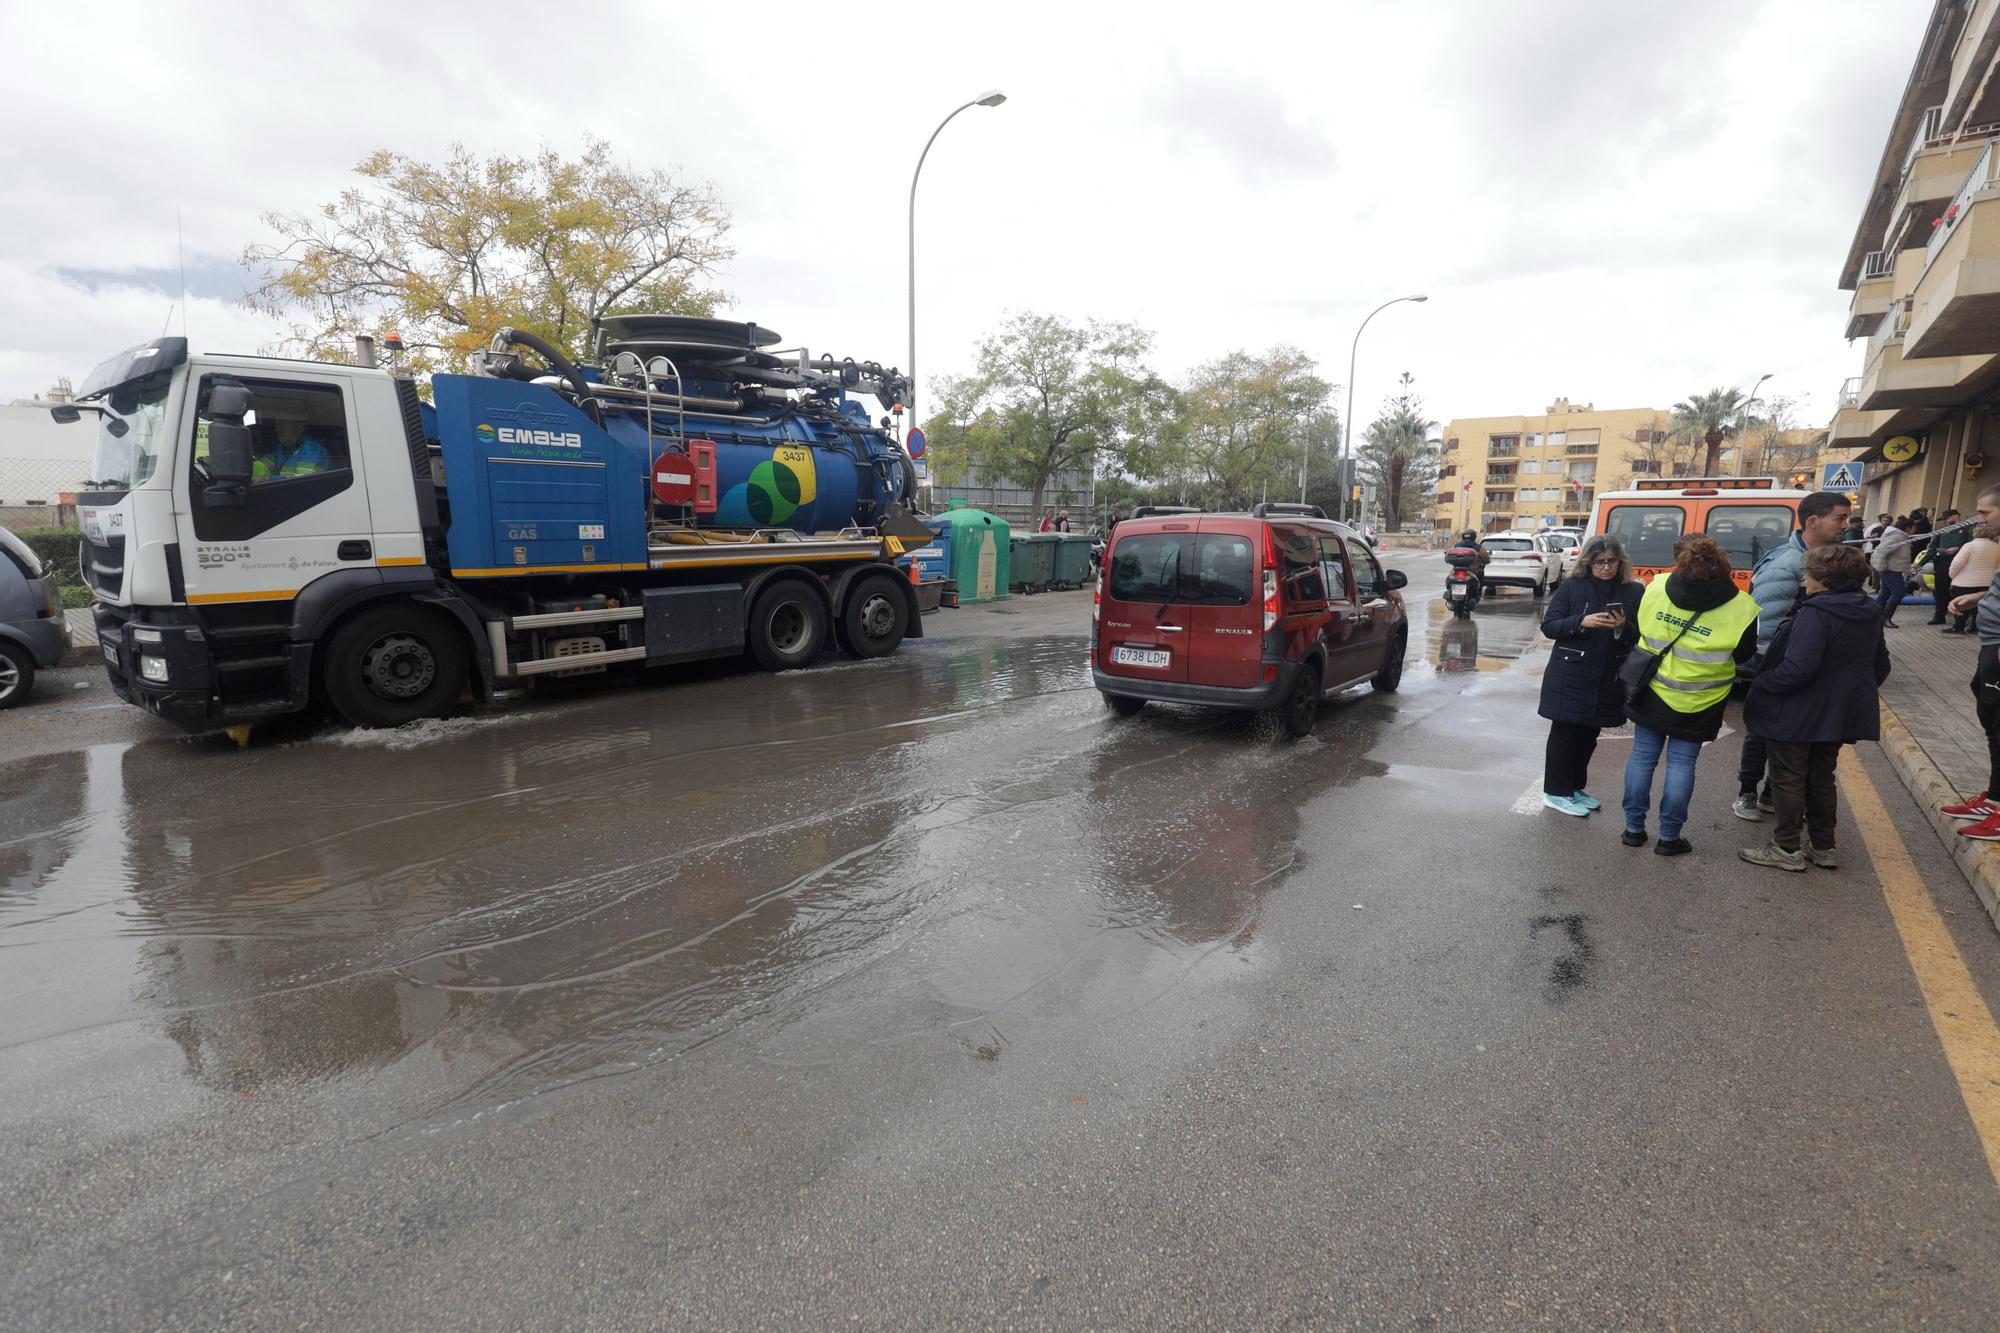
(1399,456)
(1048,398)
(1709,419)
(1247,419)
(448,253)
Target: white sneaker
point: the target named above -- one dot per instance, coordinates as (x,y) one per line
(1746,808)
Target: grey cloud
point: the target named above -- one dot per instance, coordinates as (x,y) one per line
(1245,122)
(208,276)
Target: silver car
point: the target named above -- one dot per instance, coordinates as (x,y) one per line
(31,619)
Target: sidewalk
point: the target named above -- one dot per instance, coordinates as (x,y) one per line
(1933,739)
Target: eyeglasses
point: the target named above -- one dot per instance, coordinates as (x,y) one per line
(1610,560)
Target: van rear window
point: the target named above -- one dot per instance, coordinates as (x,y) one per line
(1210,568)
(1749,532)
(1647,531)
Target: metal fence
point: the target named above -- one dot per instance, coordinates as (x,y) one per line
(1074,492)
(39,481)
(35,517)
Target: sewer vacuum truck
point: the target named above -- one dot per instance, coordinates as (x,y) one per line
(263,534)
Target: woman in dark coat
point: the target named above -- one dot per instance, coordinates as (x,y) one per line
(1817,691)
(1593,619)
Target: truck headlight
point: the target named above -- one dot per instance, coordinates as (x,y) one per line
(153,668)
(145,636)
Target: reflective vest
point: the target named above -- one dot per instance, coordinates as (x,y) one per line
(1698,670)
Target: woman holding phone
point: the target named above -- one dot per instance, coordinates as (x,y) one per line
(1591,621)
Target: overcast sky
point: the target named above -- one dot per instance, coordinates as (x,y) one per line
(1612,202)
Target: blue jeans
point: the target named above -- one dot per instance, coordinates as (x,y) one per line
(1894,588)
(1674,801)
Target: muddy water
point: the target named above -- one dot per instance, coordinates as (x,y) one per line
(958,843)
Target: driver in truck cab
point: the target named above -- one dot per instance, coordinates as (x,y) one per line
(293,453)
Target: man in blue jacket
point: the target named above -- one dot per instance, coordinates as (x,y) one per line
(1774,586)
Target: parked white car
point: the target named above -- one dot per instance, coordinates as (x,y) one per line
(1518,561)
(1560,545)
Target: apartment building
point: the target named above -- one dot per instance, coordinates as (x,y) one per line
(1497,473)
(1924,267)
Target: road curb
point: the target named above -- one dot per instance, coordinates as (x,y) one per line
(1979,861)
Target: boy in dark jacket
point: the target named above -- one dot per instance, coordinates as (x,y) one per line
(1817,692)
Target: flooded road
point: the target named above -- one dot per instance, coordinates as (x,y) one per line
(709,987)
(482,910)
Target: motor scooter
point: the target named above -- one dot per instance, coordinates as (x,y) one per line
(1462,584)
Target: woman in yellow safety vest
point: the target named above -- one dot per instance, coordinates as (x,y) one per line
(1700,625)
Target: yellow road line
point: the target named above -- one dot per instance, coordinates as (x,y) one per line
(1958,1011)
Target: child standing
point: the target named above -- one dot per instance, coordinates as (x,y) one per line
(1817,691)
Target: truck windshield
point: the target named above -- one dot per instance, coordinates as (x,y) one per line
(130,434)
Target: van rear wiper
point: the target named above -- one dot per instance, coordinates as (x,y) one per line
(1175,585)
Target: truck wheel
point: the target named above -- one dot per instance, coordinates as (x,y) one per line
(787,626)
(876,617)
(17,675)
(394,664)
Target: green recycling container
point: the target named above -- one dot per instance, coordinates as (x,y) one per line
(1034,561)
(979,552)
(1073,559)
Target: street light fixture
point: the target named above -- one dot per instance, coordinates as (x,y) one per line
(992,97)
(1743,426)
(1347,426)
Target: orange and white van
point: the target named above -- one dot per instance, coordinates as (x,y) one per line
(1747,516)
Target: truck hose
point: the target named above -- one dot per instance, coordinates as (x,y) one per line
(563,366)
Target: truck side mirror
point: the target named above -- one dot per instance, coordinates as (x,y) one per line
(65,414)
(229,465)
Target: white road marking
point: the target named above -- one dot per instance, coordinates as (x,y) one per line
(1529,802)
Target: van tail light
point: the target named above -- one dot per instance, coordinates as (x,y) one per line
(1270,600)
(1097,602)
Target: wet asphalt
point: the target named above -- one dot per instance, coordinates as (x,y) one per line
(925,992)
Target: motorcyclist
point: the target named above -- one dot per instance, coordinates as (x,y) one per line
(1475,561)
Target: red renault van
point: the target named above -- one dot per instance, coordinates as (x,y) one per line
(1274,609)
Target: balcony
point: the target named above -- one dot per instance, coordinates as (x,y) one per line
(1894,380)
(1873,294)
(1503,450)
(1500,478)
(1931,175)
(1955,307)
(1580,450)
(1853,428)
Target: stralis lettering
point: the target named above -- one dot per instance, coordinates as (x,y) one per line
(547,439)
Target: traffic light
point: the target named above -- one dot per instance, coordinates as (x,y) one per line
(1354,492)
(1801,480)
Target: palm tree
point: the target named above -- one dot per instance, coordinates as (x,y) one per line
(1711,418)
(1395,440)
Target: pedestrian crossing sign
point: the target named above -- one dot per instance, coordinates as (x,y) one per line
(1840,476)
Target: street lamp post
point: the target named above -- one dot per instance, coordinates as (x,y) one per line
(1743,426)
(993,97)
(1347,426)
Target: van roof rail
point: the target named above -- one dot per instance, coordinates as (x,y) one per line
(1147,511)
(1280,507)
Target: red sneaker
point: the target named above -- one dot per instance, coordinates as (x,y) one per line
(1979,807)
(1986,830)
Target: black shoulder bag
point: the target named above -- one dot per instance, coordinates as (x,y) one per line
(1642,663)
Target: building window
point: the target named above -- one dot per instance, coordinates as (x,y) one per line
(1558,438)
(1532,465)
(1534,439)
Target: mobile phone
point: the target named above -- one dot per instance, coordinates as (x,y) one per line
(1617,612)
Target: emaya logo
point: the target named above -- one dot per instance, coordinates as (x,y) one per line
(527,425)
